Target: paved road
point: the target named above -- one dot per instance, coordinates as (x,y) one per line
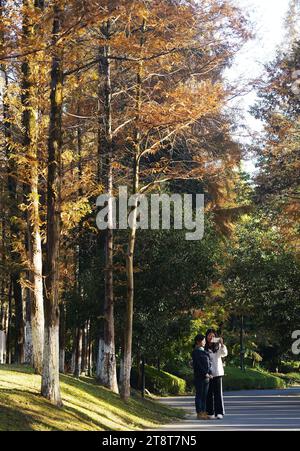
(245,410)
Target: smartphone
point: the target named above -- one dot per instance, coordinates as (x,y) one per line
(215,340)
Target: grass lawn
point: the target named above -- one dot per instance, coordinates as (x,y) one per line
(87,406)
(251,379)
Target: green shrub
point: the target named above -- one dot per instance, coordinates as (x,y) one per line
(235,379)
(290,378)
(184,372)
(161,382)
(289,367)
(250,379)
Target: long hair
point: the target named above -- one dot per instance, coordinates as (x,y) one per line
(214,347)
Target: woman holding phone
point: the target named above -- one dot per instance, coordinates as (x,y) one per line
(217,350)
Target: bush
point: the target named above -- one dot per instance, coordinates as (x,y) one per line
(250,379)
(185,372)
(235,379)
(161,382)
(289,367)
(290,378)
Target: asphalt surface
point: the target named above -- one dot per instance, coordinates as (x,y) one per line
(262,410)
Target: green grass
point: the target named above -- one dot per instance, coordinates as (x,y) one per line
(251,379)
(87,406)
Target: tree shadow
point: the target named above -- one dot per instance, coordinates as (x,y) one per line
(37,410)
(85,418)
(139,408)
(12,419)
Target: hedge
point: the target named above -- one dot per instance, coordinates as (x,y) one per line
(250,379)
(163,383)
(235,379)
(160,382)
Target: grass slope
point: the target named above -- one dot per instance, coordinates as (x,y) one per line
(87,406)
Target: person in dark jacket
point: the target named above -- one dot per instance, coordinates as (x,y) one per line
(202,374)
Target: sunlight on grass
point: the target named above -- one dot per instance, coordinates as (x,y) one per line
(87,406)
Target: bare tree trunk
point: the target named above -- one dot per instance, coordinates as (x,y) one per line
(28,329)
(19,320)
(50,375)
(85,345)
(127,345)
(106,362)
(62,338)
(90,352)
(73,357)
(78,353)
(9,321)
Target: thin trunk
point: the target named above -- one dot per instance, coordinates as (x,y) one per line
(106,363)
(13,213)
(50,375)
(78,354)
(62,337)
(4,278)
(28,329)
(29,71)
(85,344)
(90,352)
(127,346)
(19,321)
(73,357)
(138,367)
(81,334)
(9,321)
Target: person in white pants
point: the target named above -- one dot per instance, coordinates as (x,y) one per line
(217,350)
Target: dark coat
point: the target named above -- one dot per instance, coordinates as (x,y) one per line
(201,363)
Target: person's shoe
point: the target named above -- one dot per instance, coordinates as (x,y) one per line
(220,417)
(203,416)
(211,417)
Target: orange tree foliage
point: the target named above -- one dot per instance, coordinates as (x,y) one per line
(178,48)
(278,151)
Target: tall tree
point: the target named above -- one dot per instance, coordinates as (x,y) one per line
(30,115)
(14,190)
(50,374)
(168,106)
(106,364)
(127,345)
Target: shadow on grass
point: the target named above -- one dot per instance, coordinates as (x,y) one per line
(12,419)
(87,404)
(14,386)
(20,412)
(85,418)
(137,407)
